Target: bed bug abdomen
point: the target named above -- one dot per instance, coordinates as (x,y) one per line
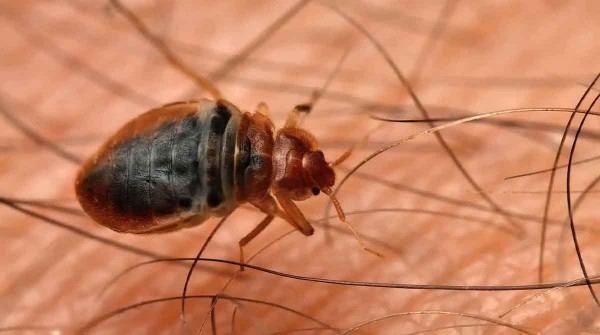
(160,170)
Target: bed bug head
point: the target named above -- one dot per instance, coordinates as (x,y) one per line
(300,168)
(317,171)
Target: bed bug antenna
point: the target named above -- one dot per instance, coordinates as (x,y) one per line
(342,218)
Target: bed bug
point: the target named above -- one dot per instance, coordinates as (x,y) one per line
(176,166)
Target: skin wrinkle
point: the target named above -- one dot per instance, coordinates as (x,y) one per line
(497,55)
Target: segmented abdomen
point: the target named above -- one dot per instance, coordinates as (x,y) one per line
(163,168)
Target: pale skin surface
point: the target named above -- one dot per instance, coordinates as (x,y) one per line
(494,55)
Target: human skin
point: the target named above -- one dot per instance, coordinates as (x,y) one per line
(74,72)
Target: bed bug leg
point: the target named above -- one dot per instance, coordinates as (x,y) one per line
(257,230)
(296,217)
(269,206)
(296,114)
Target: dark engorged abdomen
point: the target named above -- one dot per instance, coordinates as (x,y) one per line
(158,173)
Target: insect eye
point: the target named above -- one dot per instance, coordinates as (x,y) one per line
(315,191)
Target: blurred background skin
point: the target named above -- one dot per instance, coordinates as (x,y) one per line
(74,71)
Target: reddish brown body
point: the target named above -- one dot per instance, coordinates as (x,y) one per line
(175,166)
